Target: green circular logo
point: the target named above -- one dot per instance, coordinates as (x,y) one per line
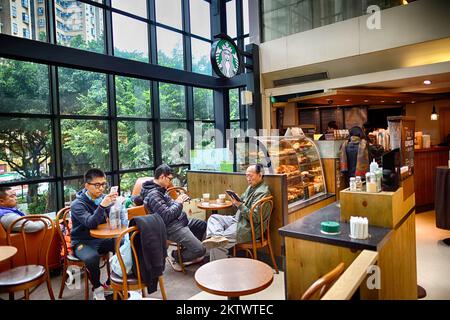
(225,58)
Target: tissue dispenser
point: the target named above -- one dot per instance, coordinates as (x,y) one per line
(330,227)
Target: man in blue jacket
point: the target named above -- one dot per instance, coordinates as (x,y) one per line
(91,208)
(187,232)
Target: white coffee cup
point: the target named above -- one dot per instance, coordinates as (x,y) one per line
(205,197)
(221,198)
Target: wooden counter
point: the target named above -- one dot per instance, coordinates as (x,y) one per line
(425,163)
(310,254)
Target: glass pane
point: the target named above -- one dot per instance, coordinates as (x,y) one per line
(234,104)
(170,49)
(169,12)
(200,56)
(127,181)
(82,92)
(180,176)
(85,145)
(171,101)
(135,144)
(36,198)
(246,16)
(235,130)
(231,19)
(130,38)
(204,137)
(200,18)
(73,186)
(23,19)
(24,87)
(25,149)
(203,104)
(133,97)
(80,25)
(137,7)
(246,42)
(175,142)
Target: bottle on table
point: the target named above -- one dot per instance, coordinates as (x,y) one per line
(352,184)
(359,184)
(114,215)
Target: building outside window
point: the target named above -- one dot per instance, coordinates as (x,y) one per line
(26,33)
(15,30)
(25,17)
(25,3)
(14,11)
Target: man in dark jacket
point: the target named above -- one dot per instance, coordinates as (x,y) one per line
(187,232)
(90,208)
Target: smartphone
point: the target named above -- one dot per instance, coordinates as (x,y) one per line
(114,189)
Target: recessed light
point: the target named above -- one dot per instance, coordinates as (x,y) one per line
(398,101)
(413,102)
(366,100)
(427,82)
(348,100)
(382,101)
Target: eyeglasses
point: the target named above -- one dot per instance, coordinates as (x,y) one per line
(99,185)
(170,178)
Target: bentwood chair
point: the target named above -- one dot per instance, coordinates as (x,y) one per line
(251,248)
(69,259)
(136,212)
(31,275)
(121,285)
(322,284)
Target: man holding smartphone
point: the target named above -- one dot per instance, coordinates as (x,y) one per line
(224,231)
(89,209)
(187,232)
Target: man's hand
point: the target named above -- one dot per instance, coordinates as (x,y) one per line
(182,198)
(109,199)
(235,202)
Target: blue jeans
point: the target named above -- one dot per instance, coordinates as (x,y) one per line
(190,237)
(90,252)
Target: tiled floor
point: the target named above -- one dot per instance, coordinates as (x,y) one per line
(433,265)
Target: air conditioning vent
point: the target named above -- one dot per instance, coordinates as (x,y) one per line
(301,79)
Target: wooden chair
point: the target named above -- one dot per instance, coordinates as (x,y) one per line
(62,217)
(264,240)
(322,285)
(138,185)
(174,192)
(121,285)
(136,212)
(31,275)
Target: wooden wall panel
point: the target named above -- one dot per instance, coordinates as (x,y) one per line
(425,162)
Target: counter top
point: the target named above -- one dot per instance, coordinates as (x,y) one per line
(308,228)
(432,149)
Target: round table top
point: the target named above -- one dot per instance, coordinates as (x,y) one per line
(234,277)
(7,252)
(214,205)
(103,231)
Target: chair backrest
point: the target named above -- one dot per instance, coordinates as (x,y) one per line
(323,283)
(47,237)
(174,192)
(138,185)
(64,234)
(265,223)
(136,212)
(132,232)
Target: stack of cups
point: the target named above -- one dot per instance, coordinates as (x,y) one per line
(359,227)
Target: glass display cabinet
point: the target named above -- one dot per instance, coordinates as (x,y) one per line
(297,157)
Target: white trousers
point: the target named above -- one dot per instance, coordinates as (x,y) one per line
(225,226)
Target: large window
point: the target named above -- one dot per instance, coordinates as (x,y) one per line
(62,117)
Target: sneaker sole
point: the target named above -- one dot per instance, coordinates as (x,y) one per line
(174,266)
(215,244)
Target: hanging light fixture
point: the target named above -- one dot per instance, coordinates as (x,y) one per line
(434,115)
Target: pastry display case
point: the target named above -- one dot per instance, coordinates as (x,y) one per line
(297,157)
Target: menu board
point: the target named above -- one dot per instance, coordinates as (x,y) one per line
(401,130)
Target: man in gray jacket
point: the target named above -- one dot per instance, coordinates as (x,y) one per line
(187,232)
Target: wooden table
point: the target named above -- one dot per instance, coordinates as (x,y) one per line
(103,231)
(234,277)
(214,206)
(7,252)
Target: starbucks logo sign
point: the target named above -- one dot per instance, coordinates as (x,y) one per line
(225,57)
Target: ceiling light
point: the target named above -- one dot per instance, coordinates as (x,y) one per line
(348,100)
(398,101)
(366,100)
(413,101)
(382,101)
(434,115)
(427,82)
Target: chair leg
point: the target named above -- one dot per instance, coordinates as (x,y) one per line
(115,294)
(108,269)
(273,258)
(49,286)
(86,284)
(26,294)
(162,288)
(63,281)
(180,258)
